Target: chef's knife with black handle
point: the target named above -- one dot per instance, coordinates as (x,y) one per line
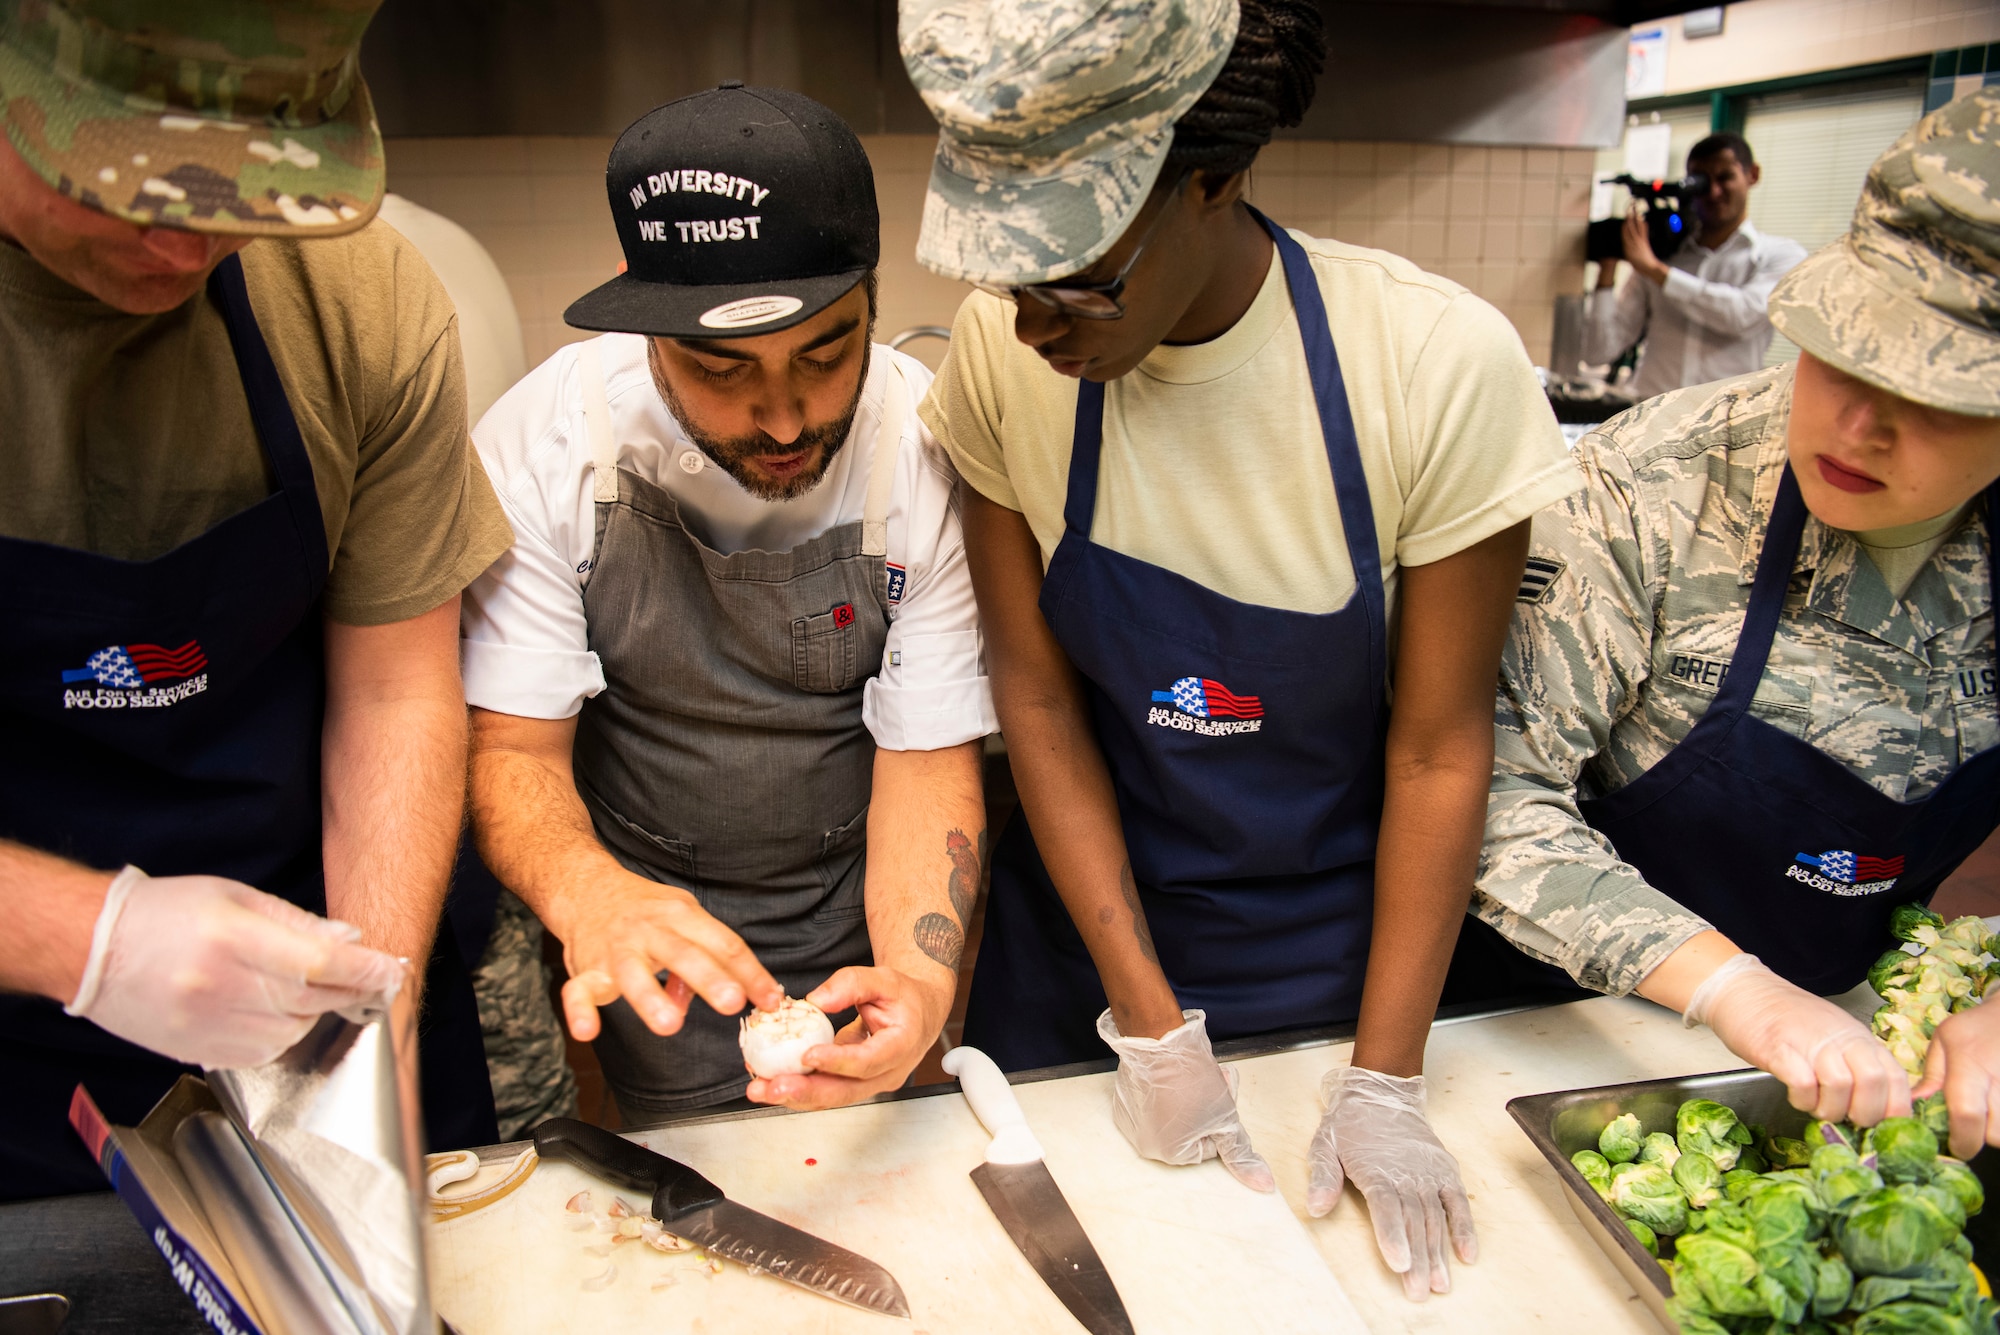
(1029,1205)
(692,1207)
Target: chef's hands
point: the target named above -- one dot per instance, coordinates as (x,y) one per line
(1375,1135)
(212,972)
(1964,1061)
(626,930)
(897,1021)
(1175,1103)
(1833,1067)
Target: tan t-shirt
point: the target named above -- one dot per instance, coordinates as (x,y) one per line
(129,434)
(1214,465)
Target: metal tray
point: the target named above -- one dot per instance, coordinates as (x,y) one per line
(1564,1122)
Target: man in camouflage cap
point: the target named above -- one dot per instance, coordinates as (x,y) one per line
(1748,703)
(1055,116)
(240,118)
(241,506)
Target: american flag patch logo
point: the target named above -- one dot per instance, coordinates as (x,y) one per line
(1203,698)
(898,577)
(1539,577)
(1840,865)
(129,666)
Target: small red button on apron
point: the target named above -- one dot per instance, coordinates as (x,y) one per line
(843,615)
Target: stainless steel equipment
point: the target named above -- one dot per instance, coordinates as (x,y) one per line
(1564,1122)
(1029,1205)
(692,1207)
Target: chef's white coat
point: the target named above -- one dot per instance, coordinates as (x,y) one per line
(526,640)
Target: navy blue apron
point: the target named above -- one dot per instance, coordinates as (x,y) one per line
(1245,748)
(167,713)
(1784,849)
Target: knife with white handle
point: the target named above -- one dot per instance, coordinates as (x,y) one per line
(1029,1205)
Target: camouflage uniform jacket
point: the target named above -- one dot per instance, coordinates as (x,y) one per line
(1635,593)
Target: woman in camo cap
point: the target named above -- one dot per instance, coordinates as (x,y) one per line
(1211,462)
(1748,704)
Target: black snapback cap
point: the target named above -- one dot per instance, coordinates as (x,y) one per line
(741,210)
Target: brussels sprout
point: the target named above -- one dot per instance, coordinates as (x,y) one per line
(1645,1235)
(1785,1279)
(1659,1147)
(1947,1200)
(1833,1285)
(1752,1159)
(1958,1177)
(1910,1319)
(1730,1222)
(1831,1133)
(1738,1183)
(1703,1126)
(1718,1275)
(1832,1158)
(1906,921)
(1699,1178)
(1650,1195)
(1846,1184)
(1934,1113)
(1619,1141)
(1784,1152)
(1781,1217)
(1894,1231)
(1595,1171)
(1894,964)
(1692,1320)
(1905,1150)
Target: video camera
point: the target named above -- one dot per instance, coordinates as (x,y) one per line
(1669,216)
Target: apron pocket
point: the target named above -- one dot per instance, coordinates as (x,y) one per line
(667,860)
(824,651)
(842,868)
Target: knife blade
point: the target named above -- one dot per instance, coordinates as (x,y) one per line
(1025,1199)
(693,1208)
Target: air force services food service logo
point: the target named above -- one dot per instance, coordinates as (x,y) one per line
(136,676)
(1839,872)
(1206,707)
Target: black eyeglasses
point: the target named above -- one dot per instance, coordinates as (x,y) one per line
(1089,301)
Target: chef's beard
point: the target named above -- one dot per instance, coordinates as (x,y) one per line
(731,454)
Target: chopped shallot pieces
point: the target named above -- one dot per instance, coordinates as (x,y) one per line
(620,1209)
(579,1203)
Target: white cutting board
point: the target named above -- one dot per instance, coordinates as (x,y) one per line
(1189,1248)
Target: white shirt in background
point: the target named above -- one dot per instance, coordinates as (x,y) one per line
(526,646)
(1707,322)
(489,329)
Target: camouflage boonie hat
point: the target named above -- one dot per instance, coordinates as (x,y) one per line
(1055,118)
(1909,299)
(234,116)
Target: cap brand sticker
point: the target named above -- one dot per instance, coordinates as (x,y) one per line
(750,310)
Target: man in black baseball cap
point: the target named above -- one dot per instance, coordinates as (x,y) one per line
(728,690)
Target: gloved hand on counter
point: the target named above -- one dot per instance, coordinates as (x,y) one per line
(1374,1133)
(212,972)
(1175,1103)
(1833,1067)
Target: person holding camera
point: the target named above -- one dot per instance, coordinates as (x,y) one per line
(1701,309)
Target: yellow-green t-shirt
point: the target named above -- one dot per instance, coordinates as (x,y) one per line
(1213,463)
(129,434)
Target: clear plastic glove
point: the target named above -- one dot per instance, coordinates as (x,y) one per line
(1374,1133)
(1833,1067)
(211,972)
(1174,1102)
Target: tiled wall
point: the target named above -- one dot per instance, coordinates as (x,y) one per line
(1506,222)
(1772,39)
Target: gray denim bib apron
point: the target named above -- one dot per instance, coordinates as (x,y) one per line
(727,754)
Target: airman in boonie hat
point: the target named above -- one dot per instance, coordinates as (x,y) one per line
(1909,299)
(1055,116)
(248,117)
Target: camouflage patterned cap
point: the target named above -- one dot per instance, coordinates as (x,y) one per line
(236,116)
(1909,299)
(1055,116)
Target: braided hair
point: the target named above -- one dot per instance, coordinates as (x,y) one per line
(1267,82)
